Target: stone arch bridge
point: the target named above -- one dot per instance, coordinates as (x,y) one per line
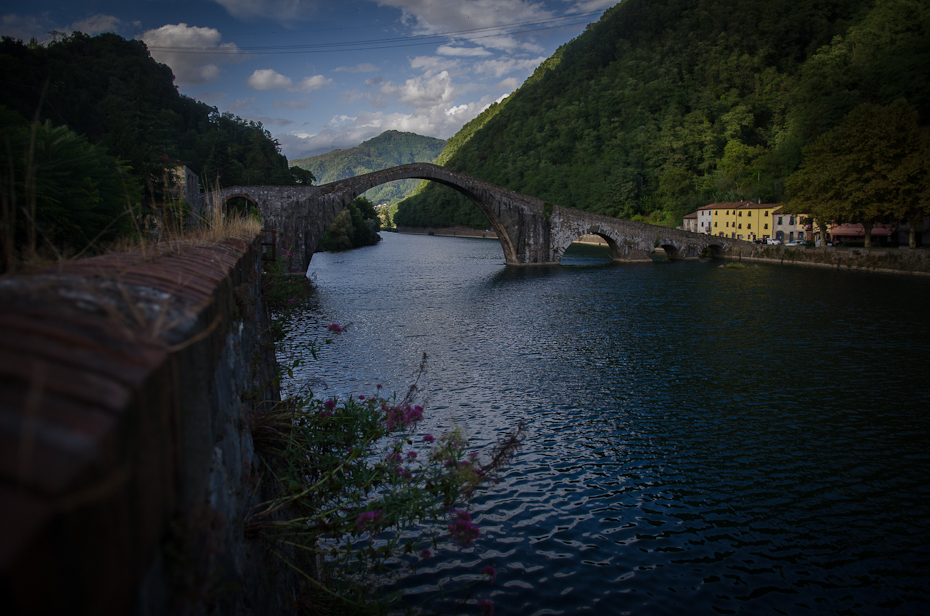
(531,231)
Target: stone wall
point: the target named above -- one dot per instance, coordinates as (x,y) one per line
(127,382)
(889,260)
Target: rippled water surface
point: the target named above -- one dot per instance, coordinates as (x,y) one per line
(700,440)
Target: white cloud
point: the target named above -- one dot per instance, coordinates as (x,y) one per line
(365,67)
(585,6)
(41,27)
(463,52)
(442,119)
(24,27)
(433,64)
(279,10)
(96,24)
(176,45)
(430,17)
(317,82)
(267,121)
(423,92)
(499,68)
(268,79)
(510,84)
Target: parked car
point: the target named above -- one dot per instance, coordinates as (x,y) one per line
(771,240)
(796,243)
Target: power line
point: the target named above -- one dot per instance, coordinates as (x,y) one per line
(390,43)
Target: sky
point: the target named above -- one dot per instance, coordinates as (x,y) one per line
(326,74)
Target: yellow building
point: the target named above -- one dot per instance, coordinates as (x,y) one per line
(743,220)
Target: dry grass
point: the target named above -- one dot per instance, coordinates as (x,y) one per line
(171,236)
(215,225)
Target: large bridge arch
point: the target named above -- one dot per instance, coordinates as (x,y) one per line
(366,182)
(531,232)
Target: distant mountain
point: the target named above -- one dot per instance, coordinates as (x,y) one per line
(388,149)
(314,152)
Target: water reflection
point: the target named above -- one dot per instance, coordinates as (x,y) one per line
(701,440)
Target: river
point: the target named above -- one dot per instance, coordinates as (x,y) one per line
(700,440)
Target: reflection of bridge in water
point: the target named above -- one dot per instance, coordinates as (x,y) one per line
(531,231)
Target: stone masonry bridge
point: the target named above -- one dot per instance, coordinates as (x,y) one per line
(531,231)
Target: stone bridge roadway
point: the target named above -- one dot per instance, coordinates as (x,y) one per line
(531,231)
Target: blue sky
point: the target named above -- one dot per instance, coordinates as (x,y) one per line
(324,74)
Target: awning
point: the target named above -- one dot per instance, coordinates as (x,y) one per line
(859,231)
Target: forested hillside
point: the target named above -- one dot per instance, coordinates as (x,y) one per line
(389,149)
(110,123)
(661,107)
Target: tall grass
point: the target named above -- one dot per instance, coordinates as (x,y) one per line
(153,230)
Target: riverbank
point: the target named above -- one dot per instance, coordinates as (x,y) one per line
(447,231)
(885,260)
(487,233)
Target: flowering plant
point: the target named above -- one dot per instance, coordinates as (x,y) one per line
(365,499)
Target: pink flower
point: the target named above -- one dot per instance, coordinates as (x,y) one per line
(462,529)
(401,416)
(367,520)
(486,607)
(425,554)
(361,397)
(335,328)
(411,455)
(428,438)
(330,404)
(491,572)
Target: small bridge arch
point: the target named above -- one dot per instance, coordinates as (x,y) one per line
(530,231)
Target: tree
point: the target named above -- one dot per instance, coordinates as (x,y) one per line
(357,225)
(59,192)
(301,177)
(872,167)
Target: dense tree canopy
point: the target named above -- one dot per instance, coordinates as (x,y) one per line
(59,193)
(105,96)
(873,167)
(661,107)
(355,226)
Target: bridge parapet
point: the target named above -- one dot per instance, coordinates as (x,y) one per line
(126,384)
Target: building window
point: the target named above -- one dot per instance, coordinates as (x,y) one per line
(766,225)
(740,226)
(766,213)
(749,226)
(715,224)
(779,220)
(791,220)
(740,213)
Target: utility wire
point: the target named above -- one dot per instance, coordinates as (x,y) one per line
(390,43)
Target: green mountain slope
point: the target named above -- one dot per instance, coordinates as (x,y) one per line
(661,107)
(389,149)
